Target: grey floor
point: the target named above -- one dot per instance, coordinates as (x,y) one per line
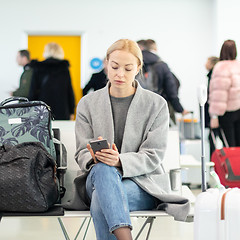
(44,228)
(26,228)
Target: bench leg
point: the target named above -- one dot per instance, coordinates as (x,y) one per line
(64,230)
(86,231)
(150,221)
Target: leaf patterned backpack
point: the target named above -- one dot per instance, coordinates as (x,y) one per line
(26,121)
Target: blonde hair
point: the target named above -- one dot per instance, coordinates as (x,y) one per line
(129,46)
(53,50)
(213,60)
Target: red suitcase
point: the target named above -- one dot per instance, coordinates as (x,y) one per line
(227,164)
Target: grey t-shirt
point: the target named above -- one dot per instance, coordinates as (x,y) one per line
(120,109)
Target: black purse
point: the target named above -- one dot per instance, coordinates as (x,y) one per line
(28,181)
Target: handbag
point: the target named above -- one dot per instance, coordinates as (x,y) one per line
(28,181)
(26,121)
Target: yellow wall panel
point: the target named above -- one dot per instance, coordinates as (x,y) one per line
(72,52)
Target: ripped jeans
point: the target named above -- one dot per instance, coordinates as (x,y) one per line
(112,198)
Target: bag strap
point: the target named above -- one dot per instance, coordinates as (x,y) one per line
(223,204)
(62,164)
(11,99)
(223,137)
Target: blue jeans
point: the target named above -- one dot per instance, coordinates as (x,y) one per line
(112,198)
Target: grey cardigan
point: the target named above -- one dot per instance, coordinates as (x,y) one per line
(143,146)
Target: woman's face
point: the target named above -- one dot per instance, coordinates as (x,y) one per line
(122,68)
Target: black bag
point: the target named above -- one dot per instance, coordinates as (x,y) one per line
(149,78)
(28,181)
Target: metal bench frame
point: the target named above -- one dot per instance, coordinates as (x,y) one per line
(150,215)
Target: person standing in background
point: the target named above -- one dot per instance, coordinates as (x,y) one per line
(141,43)
(211,62)
(167,82)
(224,94)
(98,80)
(51,83)
(23,59)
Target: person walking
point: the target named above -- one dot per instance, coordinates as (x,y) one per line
(23,59)
(224,94)
(167,83)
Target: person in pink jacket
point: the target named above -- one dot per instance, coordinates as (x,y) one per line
(224,94)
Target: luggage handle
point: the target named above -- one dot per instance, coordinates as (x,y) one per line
(202,98)
(11,99)
(223,137)
(190,112)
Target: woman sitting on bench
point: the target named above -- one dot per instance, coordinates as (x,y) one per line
(129,175)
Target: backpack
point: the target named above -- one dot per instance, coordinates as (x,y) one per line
(149,78)
(26,121)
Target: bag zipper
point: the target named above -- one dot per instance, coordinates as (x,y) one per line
(27,104)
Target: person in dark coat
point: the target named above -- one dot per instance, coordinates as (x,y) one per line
(166,82)
(97,80)
(23,59)
(211,61)
(51,83)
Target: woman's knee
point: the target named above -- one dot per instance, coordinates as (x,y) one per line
(97,173)
(103,170)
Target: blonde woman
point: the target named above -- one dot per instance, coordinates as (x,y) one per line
(129,175)
(51,82)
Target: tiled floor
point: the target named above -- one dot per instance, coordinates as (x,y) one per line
(29,228)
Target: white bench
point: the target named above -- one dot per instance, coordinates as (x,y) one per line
(68,138)
(149,215)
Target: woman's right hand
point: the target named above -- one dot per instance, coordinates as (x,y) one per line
(185,112)
(91,151)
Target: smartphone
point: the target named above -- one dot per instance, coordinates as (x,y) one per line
(98,145)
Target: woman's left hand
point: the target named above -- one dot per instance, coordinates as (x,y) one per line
(109,156)
(214,123)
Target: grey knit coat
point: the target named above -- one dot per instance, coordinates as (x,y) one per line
(143,146)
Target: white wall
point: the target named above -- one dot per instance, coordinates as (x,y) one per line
(228,19)
(185,31)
